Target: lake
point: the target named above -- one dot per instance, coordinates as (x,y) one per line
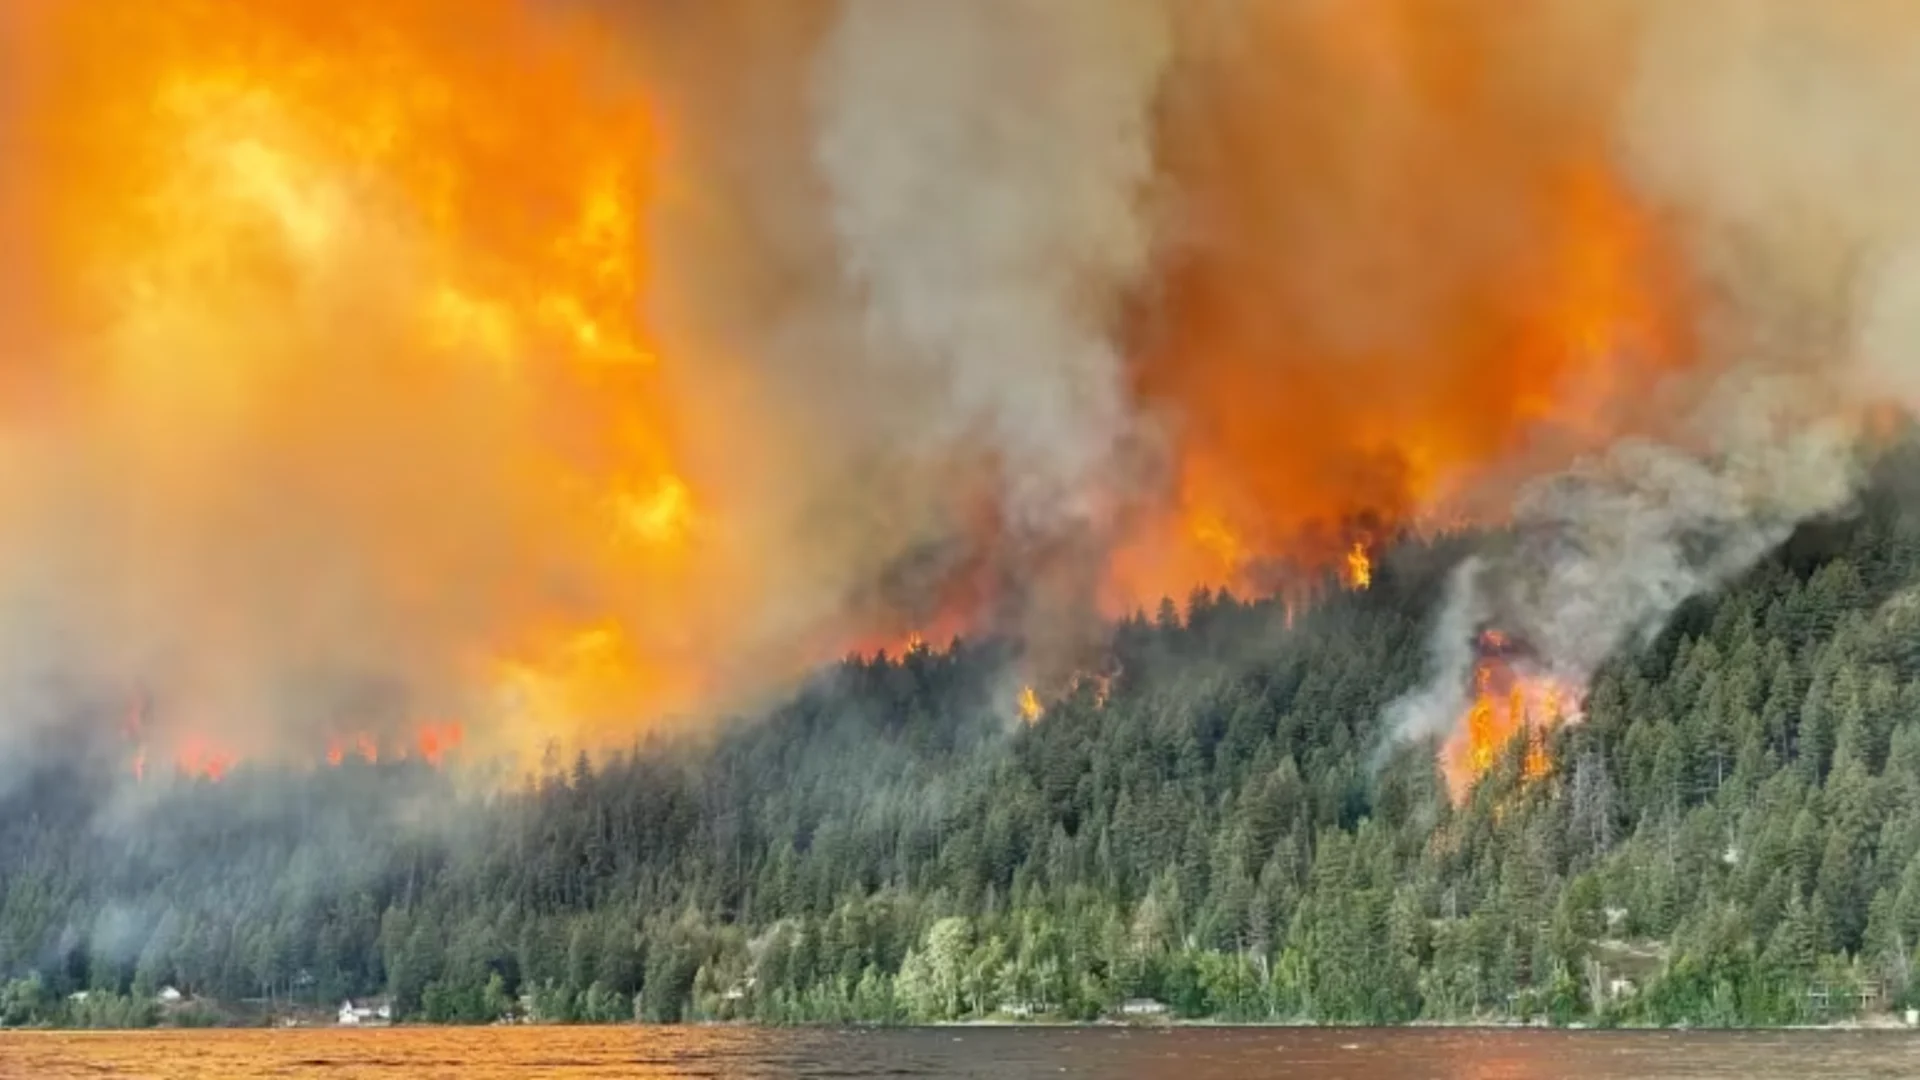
(652,1053)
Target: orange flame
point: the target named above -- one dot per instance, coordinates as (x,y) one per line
(1359,569)
(954,621)
(1506,702)
(437,740)
(1029,705)
(198,756)
(362,744)
(259,225)
(1371,372)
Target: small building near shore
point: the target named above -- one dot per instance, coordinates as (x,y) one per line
(1142,1007)
(361,1015)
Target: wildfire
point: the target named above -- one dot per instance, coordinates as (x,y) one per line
(1029,705)
(1389,352)
(1359,569)
(199,757)
(363,745)
(934,637)
(436,740)
(358,317)
(1507,701)
(375,276)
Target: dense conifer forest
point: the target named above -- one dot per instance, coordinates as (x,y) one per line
(1728,838)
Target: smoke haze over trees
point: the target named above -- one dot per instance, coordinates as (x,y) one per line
(1735,822)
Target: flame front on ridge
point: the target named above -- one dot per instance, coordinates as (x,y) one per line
(363,359)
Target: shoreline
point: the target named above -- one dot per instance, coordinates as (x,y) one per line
(1887,1025)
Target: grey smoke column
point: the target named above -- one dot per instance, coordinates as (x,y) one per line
(1602,555)
(985,163)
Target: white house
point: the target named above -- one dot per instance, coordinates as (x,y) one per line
(168,996)
(1142,1007)
(352,1015)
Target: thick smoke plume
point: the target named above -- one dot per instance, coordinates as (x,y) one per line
(987,165)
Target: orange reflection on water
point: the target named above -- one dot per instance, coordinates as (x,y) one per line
(1214,1053)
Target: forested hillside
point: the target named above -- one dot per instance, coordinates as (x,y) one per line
(1729,837)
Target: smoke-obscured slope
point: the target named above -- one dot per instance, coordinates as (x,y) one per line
(552,369)
(1765,132)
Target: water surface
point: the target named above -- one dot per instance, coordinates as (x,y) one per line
(652,1053)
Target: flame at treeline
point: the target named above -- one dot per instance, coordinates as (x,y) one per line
(198,756)
(367,366)
(1511,700)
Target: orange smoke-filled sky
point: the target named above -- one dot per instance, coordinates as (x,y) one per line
(1393,271)
(568,366)
(338,398)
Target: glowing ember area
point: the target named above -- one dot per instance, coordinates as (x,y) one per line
(200,758)
(1508,702)
(430,742)
(435,741)
(363,746)
(196,756)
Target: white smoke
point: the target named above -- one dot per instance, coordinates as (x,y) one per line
(987,164)
(1434,707)
(1603,554)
